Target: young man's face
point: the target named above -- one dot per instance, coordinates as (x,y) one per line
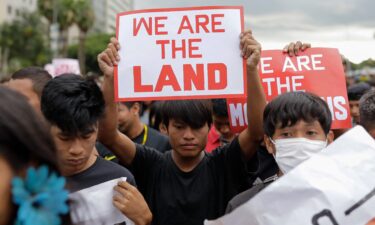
(302,129)
(354,110)
(125,117)
(75,154)
(222,125)
(186,141)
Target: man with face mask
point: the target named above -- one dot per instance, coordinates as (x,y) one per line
(296,126)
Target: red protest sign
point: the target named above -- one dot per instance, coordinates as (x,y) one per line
(180,53)
(317,70)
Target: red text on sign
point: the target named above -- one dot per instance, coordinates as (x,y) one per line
(214,75)
(153,26)
(187,48)
(202,23)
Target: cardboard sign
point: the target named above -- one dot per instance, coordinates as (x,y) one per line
(61,66)
(180,53)
(334,187)
(317,70)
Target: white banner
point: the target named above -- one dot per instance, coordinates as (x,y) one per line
(180,53)
(335,187)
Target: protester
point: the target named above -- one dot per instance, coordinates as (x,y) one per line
(73,107)
(296,126)
(30,82)
(355,92)
(221,126)
(155,118)
(187,185)
(367,112)
(31,191)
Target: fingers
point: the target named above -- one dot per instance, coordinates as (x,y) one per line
(248,44)
(293,49)
(115,43)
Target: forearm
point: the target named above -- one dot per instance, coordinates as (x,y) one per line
(116,142)
(108,124)
(256,102)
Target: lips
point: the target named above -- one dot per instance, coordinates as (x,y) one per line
(189,146)
(75,162)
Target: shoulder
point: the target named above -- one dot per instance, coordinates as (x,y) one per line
(245,196)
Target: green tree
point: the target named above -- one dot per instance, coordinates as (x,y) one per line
(23,43)
(95,43)
(84,18)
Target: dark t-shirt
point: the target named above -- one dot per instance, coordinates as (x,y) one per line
(245,196)
(154,139)
(177,198)
(100,172)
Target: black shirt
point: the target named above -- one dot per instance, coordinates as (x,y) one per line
(152,138)
(177,198)
(100,172)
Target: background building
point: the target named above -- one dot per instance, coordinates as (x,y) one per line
(10,9)
(105,14)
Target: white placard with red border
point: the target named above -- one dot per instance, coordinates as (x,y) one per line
(317,70)
(180,53)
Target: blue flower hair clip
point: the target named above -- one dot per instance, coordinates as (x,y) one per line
(41,197)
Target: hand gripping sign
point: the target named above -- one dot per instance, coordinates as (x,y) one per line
(316,70)
(335,187)
(180,53)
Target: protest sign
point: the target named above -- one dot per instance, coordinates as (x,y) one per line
(63,65)
(180,53)
(94,206)
(334,187)
(316,70)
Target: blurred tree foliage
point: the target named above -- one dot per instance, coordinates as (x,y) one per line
(95,43)
(23,43)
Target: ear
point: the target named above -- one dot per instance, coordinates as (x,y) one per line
(163,129)
(136,108)
(269,145)
(330,137)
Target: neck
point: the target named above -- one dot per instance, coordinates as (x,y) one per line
(187,164)
(136,129)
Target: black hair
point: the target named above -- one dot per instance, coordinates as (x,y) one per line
(289,108)
(155,116)
(73,104)
(219,107)
(24,135)
(367,110)
(25,138)
(38,76)
(130,104)
(195,113)
(356,91)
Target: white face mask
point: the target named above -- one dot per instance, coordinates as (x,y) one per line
(290,152)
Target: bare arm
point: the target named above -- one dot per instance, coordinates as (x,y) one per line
(118,143)
(250,138)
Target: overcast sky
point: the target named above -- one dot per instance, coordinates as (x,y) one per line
(345,24)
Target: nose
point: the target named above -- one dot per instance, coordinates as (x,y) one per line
(188,133)
(76,148)
(225,129)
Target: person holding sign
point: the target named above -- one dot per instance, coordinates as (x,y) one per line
(187,185)
(296,126)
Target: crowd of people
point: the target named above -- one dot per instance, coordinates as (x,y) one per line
(65,134)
